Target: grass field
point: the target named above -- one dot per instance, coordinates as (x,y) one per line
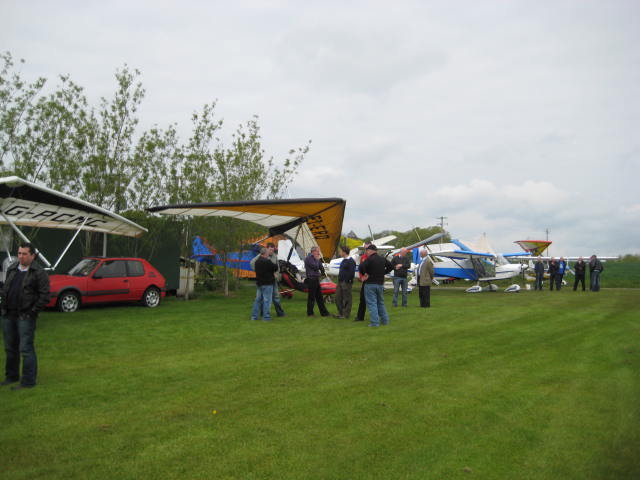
(535,385)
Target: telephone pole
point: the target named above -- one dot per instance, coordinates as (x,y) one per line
(442,224)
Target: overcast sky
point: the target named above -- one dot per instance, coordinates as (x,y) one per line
(510,118)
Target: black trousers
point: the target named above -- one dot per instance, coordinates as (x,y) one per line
(362,305)
(315,296)
(579,278)
(425,296)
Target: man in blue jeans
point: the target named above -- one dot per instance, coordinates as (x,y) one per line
(25,292)
(401,265)
(373,271)
(265,279)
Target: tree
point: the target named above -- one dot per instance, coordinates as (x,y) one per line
(16,97)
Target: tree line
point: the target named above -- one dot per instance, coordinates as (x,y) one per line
(56,138)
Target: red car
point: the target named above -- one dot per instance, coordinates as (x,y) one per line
(107,279)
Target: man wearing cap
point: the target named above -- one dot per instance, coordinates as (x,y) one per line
(373,271)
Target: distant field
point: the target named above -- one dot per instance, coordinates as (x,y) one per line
(621,274)
(534,385)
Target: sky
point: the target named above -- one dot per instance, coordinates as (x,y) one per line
(517,119)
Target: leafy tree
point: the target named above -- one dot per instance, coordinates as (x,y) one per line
(16,97)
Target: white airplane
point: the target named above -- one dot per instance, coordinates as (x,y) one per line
(333,267)
(457,261)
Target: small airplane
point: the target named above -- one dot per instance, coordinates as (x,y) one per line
(333,267)
(458,261)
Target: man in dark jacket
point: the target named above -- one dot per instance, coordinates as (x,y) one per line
(345,283)
(362,304)
(25,292)
(595,269)
(539,269)
(579,270)
(401,265)
(265,280)
(314,269)
(373,271)
(553,272)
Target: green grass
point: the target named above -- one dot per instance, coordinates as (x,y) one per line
(535,385)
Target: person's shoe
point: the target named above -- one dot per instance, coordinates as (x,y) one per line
(372,325)
(266,319)
(8,382)
(22,387)
(282,315)
(359,320)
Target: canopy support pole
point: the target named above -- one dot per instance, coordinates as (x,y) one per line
(24,237)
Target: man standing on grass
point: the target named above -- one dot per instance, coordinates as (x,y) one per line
(425,277)
(595,269)
(25,292)
(373,271)
(345,283)
(539,269)
(401,265)
(579,270)
(314,269)
(362,303)
(553,272)
(273,256)
(265,278)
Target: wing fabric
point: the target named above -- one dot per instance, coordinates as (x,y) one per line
(28,204)
(309,221)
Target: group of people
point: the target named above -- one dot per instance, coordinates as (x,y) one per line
(372,271)
(557,269)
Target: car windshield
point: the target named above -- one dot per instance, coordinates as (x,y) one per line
(84,268)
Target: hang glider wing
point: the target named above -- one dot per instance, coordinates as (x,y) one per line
(308,221)
(534,247)
(28,204)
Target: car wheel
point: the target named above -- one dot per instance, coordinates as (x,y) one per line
(68,302)
(151,297)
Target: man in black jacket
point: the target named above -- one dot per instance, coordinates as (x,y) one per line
(579,270)
(265,281)
(25,292)
(373,271)
(345,283)
(401,265)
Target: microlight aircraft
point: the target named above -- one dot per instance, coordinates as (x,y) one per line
(24,203)
(457,261)
(307,221)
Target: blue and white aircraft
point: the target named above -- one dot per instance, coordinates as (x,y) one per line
(456,260)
